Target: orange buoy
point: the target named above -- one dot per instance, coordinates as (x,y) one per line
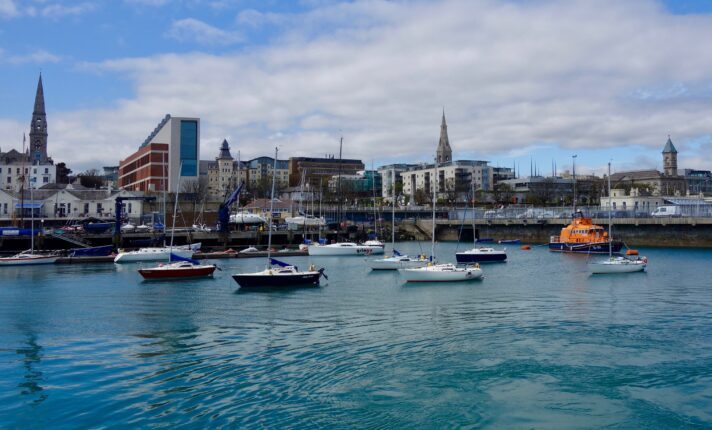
(631,252)
(526,247)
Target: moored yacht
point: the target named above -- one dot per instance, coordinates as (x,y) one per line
(481,255)
(156,254)
(27,258)
(397,261)
(343,248)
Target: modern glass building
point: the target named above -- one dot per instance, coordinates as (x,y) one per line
(166,160)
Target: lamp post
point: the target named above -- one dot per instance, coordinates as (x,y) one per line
(573,170)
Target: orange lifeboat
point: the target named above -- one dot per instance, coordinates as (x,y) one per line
(583,236)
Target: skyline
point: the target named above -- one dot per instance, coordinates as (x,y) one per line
(518,81)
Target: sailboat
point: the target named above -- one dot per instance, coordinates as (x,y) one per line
(278,273)
(178,267)
(446,272)
(27,258)
(617,264)
(398,260)
(480,254)
(343,248)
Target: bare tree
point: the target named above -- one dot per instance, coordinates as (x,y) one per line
(91,178)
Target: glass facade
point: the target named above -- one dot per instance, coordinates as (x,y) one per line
(189,148)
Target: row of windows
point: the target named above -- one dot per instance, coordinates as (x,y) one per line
(17,170)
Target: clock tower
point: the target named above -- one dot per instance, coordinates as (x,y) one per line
(37,150)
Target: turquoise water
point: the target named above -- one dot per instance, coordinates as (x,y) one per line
(537,344)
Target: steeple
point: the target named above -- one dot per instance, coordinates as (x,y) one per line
(38,128)
(670,158)
(225,151)
(444,152)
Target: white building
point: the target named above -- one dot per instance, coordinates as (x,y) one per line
(15,166)
(455,178)
(69,201)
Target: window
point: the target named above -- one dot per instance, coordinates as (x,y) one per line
(45,180)
(86,208)
(189,148)
(129,211)
(46,170)
(9,179)
(34,170)
(99,208)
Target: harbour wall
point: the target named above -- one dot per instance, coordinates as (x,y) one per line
(680,232)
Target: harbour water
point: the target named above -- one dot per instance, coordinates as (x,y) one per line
(539,343)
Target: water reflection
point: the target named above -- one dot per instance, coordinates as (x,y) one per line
(31,385)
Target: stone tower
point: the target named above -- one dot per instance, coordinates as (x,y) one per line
(444,153)
(670,158)
(38,128)
(226,175)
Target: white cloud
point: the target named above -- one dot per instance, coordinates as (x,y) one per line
(8,9)
(511,75)
(148,2)
(37,57)
(59,10)
(194,30)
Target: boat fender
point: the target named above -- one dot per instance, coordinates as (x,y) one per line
(477,265)
(645,260)
(312,267)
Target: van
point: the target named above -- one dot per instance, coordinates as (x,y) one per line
(666,211)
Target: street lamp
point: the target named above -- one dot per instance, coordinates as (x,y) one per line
(573,171)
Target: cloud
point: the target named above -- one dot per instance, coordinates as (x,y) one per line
(148,2)
(193,30)
(8,9)
(37,57)
(59,10)
(511,75)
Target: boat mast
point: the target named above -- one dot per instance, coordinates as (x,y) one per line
(610,226)
(432,242)
(175,211)
(393,210)
(271,208)
(32,218)
(573,169)
(338,186)
(474,228)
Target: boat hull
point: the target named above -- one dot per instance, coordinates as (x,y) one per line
(586,248)
(395,264)
(477,257)
(10,261)
(328,250)
(431,274)
(607,268)
(162,255)
(158,273)
(251,280)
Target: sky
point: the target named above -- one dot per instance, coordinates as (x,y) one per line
(522,82)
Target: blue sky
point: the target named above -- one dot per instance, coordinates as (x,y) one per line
(519,80)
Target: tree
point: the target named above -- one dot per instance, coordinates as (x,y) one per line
(421,197)
(91,178)
(503,193)
(63,173)
(195,191)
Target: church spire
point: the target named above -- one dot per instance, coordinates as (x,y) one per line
(38,128)
(444,152)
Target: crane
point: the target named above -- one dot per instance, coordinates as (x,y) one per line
(117,210)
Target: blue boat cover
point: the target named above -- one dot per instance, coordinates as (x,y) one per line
(396,253)
(174,257)
(276,262)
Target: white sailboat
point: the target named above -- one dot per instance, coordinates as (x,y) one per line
(27,258)
(278,273)
(446,272)
(159,253)
(397,260)
(480,254)
(617,264)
